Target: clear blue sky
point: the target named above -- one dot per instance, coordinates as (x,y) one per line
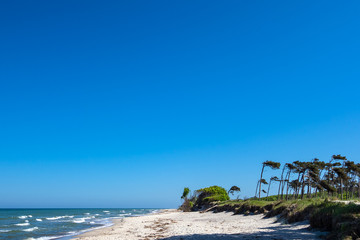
(123,103)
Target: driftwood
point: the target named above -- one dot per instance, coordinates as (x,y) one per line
(208,209)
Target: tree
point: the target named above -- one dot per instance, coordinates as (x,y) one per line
(271,179)
(351,172)
(300,169)
(272,165)
(188,203)
(234,189)
(281,182)
(342,177)
(290,168)
(315,174)
(339,171)
(327,186)
(338,157)
(185,193)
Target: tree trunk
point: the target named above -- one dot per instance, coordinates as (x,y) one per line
(287,186)
(353,187)
(359,187)
(308,189)
(341,188)
(302,185)
(296,192)
(262,171)
(257,185)
(281,182)
(267,195)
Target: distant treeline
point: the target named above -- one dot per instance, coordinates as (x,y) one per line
(338,177)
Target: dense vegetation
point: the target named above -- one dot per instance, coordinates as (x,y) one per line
(305,191)
(203,197)
(337,178)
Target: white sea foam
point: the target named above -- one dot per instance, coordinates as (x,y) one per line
(39,220)
(54,218)
(26,223)
(106,211)
(30,216)
(105,223)
(124,214)
(43,238)
(31,229)
(87,213)
(79,220)
(59,217)
(22,217)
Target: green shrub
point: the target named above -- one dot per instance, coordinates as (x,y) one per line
(211,194)
(186,206)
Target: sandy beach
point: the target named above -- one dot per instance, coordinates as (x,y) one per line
(176,225)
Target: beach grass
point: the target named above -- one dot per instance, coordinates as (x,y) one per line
(341,219)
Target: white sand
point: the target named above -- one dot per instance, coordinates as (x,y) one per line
(171,225)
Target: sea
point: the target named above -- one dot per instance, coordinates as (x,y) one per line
(63,224)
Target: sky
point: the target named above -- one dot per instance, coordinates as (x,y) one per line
(125,103)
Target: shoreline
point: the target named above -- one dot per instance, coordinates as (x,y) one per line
(112,220)
(171,224)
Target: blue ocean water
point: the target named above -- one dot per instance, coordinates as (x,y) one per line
(44,224)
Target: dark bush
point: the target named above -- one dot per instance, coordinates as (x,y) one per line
(186,206)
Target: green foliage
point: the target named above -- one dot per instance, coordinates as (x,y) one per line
(275,178)
(271,164)
(337,208)
(270,198)
(185,193)
(338,157)
(211,194)
(186,206)
(215,198)
(341,220)
(234,189)
(327,186)
(213,190)
(263,181)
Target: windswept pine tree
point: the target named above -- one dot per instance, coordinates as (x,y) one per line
(275,178)
(291,168)
(234,189)
(306,179)
(281,182)
(353,171)
(272,165)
